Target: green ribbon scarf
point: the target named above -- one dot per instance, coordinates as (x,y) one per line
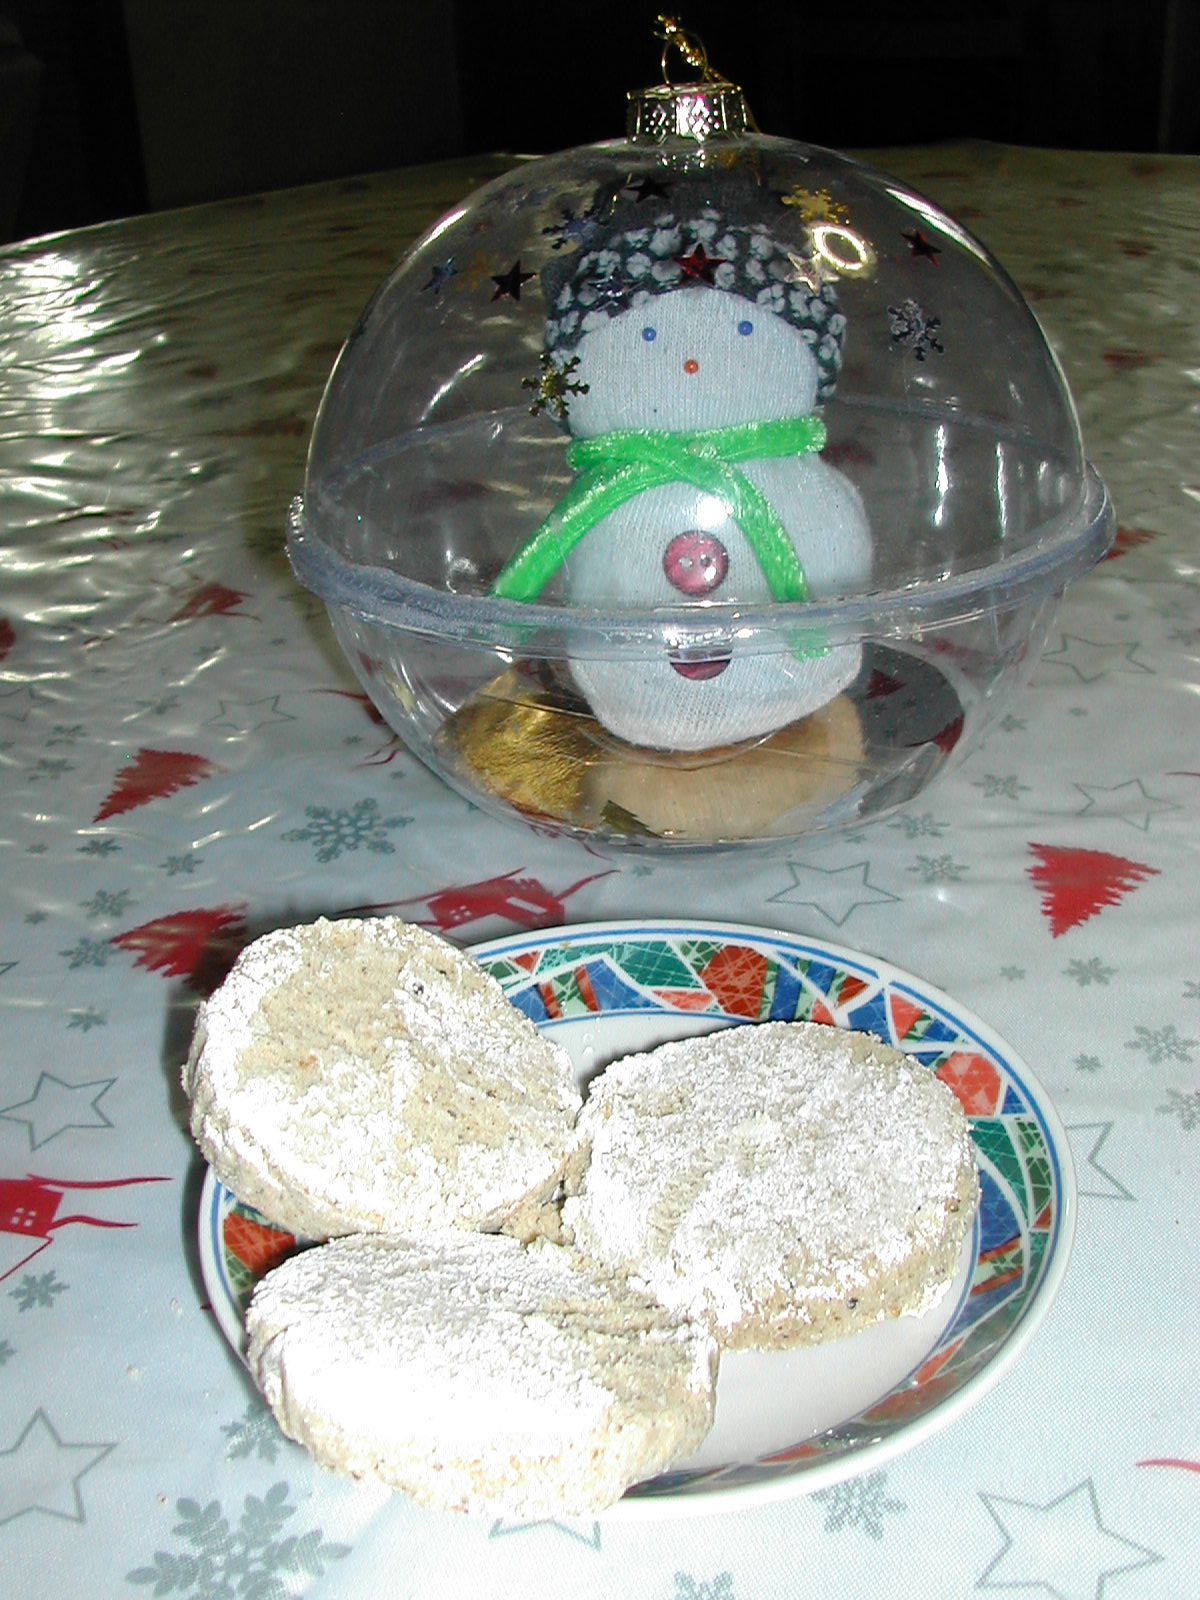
(615,467)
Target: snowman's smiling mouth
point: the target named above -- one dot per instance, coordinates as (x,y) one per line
(699,663)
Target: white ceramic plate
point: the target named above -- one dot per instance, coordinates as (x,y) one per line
(787,1422)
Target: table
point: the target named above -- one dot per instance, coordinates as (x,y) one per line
(185,761)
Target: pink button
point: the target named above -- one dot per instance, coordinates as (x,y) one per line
(695,563)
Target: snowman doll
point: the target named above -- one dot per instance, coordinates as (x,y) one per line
(692,351)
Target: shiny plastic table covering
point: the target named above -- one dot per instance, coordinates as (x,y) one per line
(185,761)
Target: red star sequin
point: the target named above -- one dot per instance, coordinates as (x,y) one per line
(922,247)
(698,267)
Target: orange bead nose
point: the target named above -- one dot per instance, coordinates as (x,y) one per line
(691,365)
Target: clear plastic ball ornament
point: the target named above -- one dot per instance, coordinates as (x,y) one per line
(695,489)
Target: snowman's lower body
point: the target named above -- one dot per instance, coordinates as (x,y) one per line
(690,700)
(706,688)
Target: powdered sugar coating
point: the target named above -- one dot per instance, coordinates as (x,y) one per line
(476,1374)
(784,1182)
(366,1075)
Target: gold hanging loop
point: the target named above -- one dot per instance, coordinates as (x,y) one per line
(689,45)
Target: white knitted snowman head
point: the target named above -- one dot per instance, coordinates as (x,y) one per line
(682,317)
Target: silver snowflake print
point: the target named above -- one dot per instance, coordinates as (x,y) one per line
(65,733)
(858,1503)
(1191,989)
(1184,1106)
(1011,724)
(914,328)
(938,869)
(173,866)
(253,1434)
(88,953)
(51,769)
(7,1351)
(689,1588)
(1091,971)
(1012,974)
(108,903)
(220,1561)
(160,707)
(86,1018)
(99,847)
(1085,1063)
(356,827)
(37,1289)
(997,788)
(36,916)
(920,826)
(1162,1044)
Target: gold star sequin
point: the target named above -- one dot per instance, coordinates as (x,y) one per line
(816,205)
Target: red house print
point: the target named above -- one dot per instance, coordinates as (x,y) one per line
(29,1215)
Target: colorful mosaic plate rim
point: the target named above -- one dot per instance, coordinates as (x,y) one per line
(624,985)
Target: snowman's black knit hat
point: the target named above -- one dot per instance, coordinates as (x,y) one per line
(634,248)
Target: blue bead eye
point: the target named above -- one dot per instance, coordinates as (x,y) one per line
(649,334)
(745,328)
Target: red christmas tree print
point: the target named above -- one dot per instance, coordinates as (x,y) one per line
(154,775)
(1125,358)
(1076,884)
(198,946)
(1128,539)
(881,684)
(211,600)
(8,637)
(946,738)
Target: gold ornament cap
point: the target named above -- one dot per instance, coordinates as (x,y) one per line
(707,107)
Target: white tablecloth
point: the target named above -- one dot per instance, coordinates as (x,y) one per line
(185,760)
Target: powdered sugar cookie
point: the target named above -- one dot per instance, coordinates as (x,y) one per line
(784,1182)
(366,1075)
(476,1374)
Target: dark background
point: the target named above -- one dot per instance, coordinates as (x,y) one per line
(113,107)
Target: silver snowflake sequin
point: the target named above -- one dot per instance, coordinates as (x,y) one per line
(915,329)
